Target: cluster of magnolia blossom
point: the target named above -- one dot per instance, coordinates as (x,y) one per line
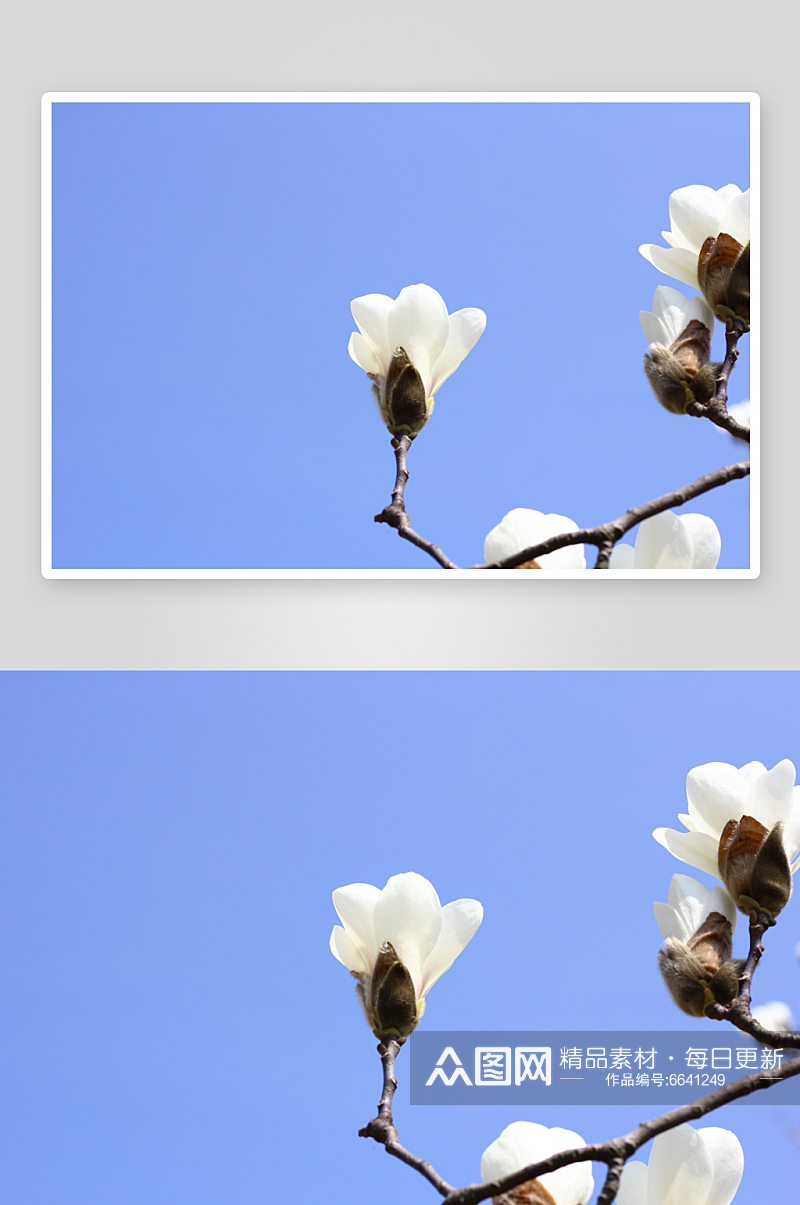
(397,942)
(743,827)
(686,1167)
(667,541)
(709,249)
(410,345)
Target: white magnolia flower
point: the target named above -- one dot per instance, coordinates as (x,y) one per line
(697,213)
(670,541)
(425,937)
(526,1142)
(686,1167)
(433,342)
(688,905)
(672,313)
(718,793)
(774,1015)
(522,528)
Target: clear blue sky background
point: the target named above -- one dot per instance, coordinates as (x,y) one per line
(206,413)
(176,1028)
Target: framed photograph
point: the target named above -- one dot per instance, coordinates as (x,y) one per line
(210,259)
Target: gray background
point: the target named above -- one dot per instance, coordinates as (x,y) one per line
(150,46)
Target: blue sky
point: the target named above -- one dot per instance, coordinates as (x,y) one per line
(173,1015)
(205,411)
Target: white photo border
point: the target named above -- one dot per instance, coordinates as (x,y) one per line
(430,574)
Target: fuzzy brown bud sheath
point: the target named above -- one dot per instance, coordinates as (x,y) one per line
(532,1192)
(681,373)
(700,971)
(401,396)
(754,866)
(723,270)
(388,997)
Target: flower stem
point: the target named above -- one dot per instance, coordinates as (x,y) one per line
(382,1127)
(717,409)
(395,514)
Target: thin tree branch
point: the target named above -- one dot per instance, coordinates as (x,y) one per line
(738,1011)
(395,514)
(382,1127)
(606,535)
(717,409)
(614,1153)
(618,1150)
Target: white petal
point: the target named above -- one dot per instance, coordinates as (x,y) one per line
(695,214)
(753,770)
(654,329)
(706,540)
(689,899)
(345,949)
(771,795)
(510,1151)
(672,313)
(522,528)
(736,219)
(681,1170)
(418,322)
(460,922)
(518,529)
(622,557)
(466,328)
(663,543)
(699,308)
(717,793)
(672,307)
(364,356)
(633,1185)
(696,849)
(670,923)
(356,908)
(791,831)
(729,193)
(674,261)
(372,319)
(727,1157)
(720,900)
(409,915)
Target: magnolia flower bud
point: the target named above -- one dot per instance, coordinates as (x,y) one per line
(408,347)
(388,998)
(678,330)
(699,970)
(754,866)
(723,270)
(397,943)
